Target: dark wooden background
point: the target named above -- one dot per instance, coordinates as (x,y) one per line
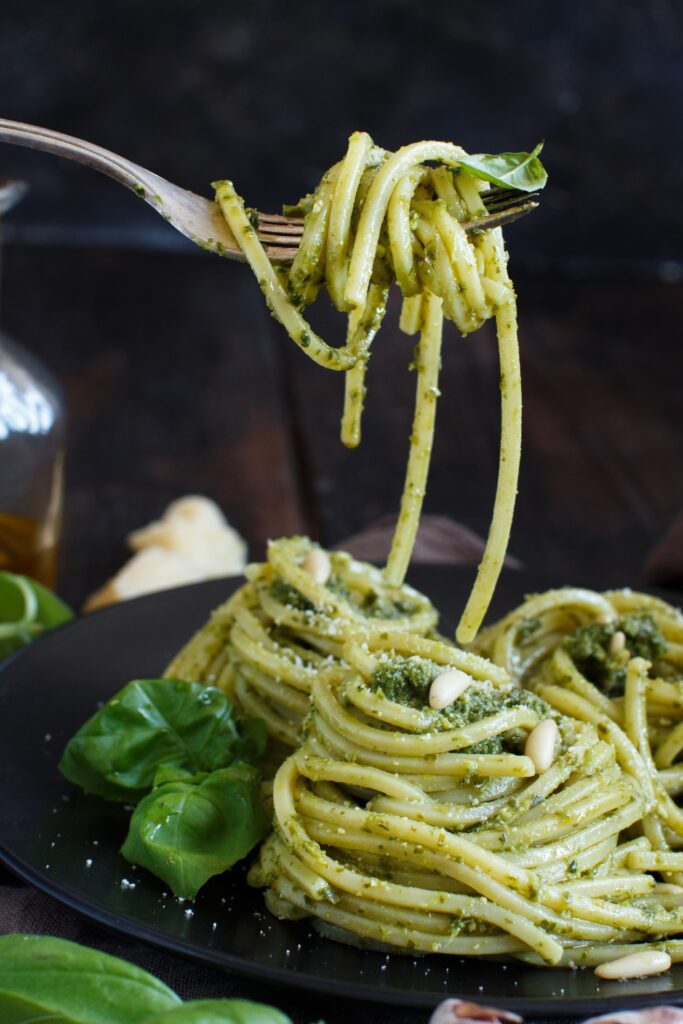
(178,381)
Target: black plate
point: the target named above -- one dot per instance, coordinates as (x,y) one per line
(67,844)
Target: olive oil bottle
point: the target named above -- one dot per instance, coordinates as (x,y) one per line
(32,447)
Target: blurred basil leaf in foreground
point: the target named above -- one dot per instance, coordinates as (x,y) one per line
(523,171)
(222,1011)
(47,979)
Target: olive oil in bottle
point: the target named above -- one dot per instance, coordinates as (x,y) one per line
(32,445)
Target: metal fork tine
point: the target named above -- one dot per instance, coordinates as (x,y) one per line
(497,190)
(502,190)
(280,235)
(277,255)
(276,229)
(271,239)
(505,202)
(498,219)
(278,218)
(281,229)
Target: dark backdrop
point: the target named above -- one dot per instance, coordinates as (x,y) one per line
(266,92)
(177,380)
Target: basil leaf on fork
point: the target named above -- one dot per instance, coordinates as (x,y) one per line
(521,171)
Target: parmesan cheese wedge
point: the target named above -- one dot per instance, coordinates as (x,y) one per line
(192,541)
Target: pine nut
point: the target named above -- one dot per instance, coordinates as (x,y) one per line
(541,744)
(604,618)
(447,687)
(317,563)
(669,889)
(618,642)
(637,965)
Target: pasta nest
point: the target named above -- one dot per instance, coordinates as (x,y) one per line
(377,218)
(268,643)
(614,660)
(402,827)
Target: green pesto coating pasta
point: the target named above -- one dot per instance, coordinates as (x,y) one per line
(271,639)
(407,828)
(377,218)
(614,660)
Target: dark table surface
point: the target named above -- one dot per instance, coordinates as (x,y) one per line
(177,381)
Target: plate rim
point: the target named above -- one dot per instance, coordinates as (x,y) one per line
(283,977)
(533,1007)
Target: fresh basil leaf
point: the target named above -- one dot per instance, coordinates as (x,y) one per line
(44,978)
(170,773)
(252,740)
(153,722)
(27,609)
(222,1011)
(523,171)
(189,830)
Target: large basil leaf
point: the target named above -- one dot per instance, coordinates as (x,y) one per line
(155,722)
(523,171)
(251,742)
(188,830)
(222,1011)
(27,609)
(48,979)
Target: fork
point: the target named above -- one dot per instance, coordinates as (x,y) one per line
(200,219)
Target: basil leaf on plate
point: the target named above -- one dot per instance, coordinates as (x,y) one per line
(153,722)
(188,830)
(27,609)
(222,1011)
(48,979)
(251,742)
(523,171)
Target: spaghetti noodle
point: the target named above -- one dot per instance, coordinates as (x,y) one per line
(404,827)
(534,814)
(379,217)
(278,632)
(614,660)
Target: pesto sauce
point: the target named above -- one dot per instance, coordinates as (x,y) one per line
(494,745)
(285,593)
(589,649)
(373,604)
(407,681)
(526,629)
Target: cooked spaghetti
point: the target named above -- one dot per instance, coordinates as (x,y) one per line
(614,660)
(405,827)
(375,218)
(267,644)
(531,813)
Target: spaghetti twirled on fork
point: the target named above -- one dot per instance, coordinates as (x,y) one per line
(377,218)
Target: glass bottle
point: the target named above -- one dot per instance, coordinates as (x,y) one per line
(32,449)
